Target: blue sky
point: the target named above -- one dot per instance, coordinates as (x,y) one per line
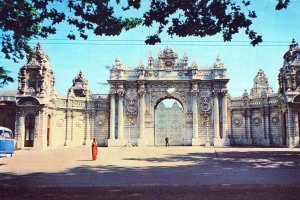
(243,62)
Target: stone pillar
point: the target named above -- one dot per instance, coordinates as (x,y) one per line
(194,95)
(38,130)
(248,135)
(142,93)
(267,124)
(216,114)
(20,130)
(68,128)
(225,138)
(112,135)
(293,141)
(265,140)
(121,119)
(195,140)
(87,129)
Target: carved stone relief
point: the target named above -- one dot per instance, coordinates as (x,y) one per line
(257,121)
(275,120)
(148,118)
(60,122)
(237,121)
(131,103)
(79,123)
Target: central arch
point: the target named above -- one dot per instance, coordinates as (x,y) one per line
(169,122)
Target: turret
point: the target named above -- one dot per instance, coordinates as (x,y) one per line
(36,78)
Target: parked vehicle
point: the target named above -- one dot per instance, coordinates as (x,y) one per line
(7,143)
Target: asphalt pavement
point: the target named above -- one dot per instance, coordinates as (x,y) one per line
(152,173)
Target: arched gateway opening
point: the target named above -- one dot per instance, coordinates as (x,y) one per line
(169,122)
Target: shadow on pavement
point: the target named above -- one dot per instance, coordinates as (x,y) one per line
(230,175)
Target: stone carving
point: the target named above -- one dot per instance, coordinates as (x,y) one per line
(218,63)
(118,64)
(131,100)
(142,90)
(257,121)
(237,122)
(195,90)
(205,93)
(38,57)
(205,106)
(120,90)
(189,115)
(100,123)
(79,87)
(261,85)
(246,99)
(275,120)
(79,123)
(60,122)
(36,78)
(194,65)
(148,115)
(150,61)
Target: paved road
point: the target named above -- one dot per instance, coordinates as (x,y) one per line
(178,170)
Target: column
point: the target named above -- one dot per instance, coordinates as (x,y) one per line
(224,120)
(142,93)
(112,118)
(290,127)
(267,124)
(38,137)
(87,128)
(224,115)
(20,130)
(217,139)
(194,95)
(195,118)
(216,117)
(68,128)
(120,116)
(92,125)
(248,135)
(264,122)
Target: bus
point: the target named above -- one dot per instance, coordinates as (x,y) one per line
(7,143)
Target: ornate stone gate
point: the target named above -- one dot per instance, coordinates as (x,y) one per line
(135,93)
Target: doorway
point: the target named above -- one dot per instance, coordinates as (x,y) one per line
(29,130)
(284,138)
(48,130)
(169,122)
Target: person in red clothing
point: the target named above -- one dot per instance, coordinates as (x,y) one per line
(94,149)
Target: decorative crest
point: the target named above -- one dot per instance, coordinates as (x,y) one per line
(218,63)
(80,86)
(261,85)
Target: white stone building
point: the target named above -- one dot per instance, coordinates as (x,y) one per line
(133,112)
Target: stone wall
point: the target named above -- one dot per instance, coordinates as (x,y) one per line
(255,121)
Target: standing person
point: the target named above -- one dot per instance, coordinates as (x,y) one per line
(167,141)
(94,149)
